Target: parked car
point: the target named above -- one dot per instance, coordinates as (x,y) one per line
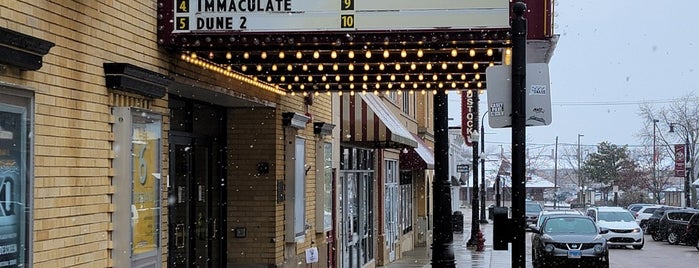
(633,208)
(643,214)
(673,225)
(567,240)
(692,232)
(623,229)
(543,215)
(532,210)
(654,220)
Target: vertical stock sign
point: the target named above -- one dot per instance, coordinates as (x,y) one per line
(468,108)
(679,160)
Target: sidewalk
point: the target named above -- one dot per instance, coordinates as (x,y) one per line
(465,257)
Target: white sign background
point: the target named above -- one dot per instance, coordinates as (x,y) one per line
(337,15)
(538,97)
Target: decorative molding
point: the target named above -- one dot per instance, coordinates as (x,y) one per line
(21,50)
(134,79)
(323,128)
(295,120)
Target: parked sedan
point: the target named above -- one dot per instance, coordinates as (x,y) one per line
(569,241)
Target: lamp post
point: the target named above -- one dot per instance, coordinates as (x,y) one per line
(483,196)
(687,166)
(581,194)
(475,227)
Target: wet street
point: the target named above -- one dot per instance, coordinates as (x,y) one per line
(654,254)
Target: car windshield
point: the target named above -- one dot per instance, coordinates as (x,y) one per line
(533,208)
(615,216)
(566,225)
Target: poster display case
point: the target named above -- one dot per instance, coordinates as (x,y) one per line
(137,183)
(16,122)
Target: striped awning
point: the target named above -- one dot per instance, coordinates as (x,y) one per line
(366,121)
(418,158)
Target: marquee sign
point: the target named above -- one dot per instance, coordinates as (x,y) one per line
(212,16)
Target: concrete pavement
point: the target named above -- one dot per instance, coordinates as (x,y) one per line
(465,256)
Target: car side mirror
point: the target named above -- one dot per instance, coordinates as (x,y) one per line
(603,230)
(533,229)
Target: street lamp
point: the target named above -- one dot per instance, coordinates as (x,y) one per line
(687,166)
(581,194)
(475,227)
(483,196)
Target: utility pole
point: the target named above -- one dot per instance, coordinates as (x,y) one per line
(519,134)
(687,166)
(655,154)
(581,194)
(555,175)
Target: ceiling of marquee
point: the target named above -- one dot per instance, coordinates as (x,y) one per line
(373,61)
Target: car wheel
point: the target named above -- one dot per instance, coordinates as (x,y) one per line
(656,236)
(604,263)
(638,246)
(644,225)
(697,245)
(673,238)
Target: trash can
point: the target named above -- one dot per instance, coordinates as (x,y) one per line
(491,211)
(457,220)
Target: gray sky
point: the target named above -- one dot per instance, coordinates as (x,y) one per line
(611,57)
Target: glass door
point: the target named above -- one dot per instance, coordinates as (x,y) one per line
(391,208)
(197,189)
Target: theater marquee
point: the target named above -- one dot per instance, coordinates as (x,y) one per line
(197,16)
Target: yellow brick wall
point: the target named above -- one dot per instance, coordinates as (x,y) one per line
(73,149)
(254,138)
(72,187)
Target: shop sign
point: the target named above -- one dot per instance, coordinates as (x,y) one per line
(214,16)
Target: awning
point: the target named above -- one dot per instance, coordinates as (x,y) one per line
(420,157)
(368,122)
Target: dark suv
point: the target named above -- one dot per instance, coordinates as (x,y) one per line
(654,220)
(673,225)
(692,233)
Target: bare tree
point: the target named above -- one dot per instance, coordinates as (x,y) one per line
(683,113)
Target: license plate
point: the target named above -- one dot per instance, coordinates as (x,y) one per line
(574,254)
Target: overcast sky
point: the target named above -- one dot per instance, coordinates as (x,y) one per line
(611,57)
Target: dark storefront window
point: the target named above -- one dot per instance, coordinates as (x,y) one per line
(357,206)
(15,176)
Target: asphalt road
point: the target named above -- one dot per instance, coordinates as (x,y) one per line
(654,254)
